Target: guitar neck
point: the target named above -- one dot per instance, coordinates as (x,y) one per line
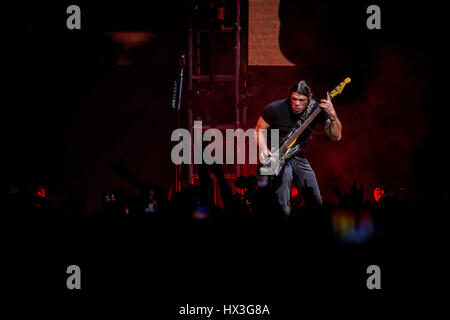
(313,115)
(308,121)
(302,128)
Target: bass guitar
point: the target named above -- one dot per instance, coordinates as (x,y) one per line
(272,166)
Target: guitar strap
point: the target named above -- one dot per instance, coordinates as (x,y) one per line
(308,110)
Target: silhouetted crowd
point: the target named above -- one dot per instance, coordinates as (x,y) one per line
(353,220)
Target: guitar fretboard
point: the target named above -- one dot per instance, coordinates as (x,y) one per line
(313,115)
(302,128)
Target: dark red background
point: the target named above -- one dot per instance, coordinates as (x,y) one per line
(72,110)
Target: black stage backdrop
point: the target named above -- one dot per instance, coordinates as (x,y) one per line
(71,111)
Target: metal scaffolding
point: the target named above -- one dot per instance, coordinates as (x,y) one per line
(197,76)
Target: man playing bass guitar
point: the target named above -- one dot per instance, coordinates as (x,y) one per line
(286,115)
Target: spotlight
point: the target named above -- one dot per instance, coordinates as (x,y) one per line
(378,193)
(128,40)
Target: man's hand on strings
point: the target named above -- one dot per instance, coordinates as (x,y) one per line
(264,155)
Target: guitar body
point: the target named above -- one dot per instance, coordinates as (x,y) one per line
(272,166)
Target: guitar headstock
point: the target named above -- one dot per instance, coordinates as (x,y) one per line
(339,88)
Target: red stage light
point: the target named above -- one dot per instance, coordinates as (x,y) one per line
(378,193)
(40,192)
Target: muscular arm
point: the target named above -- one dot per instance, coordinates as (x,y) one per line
(259,136)
(333,128)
